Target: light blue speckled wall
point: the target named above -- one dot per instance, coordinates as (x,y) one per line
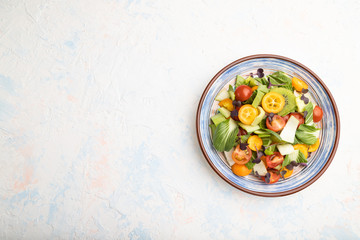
(97,118)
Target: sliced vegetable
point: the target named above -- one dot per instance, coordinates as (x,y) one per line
(255,143)
(260,168)
(241,156)
(307,134)
(273,102)
(225,135)
(275,123)
(308,113)
(247,114)
(315,146)
(285,149)
(270,150)
(231,92)
(239,81)
(212,128)
(223,94)
(226,113)
(274,160)
(218,118)
(303,148)
(243,93)
(286,172)
(227,103)
(271,177)
(288,133)
(259,117)
(249,128)
(228,156)
(318,114)
(240,170)
(299,84)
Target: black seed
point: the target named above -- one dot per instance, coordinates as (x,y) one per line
(290,167)
(260,72)
(256,160)
(243,146)
(304,90)
(267,178)
(234,113)
(305,99)
(237,103)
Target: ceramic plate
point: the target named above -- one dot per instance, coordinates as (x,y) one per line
(318,162)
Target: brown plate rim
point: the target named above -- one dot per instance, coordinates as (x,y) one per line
(263,194)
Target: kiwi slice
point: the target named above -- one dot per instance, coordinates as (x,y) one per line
(290,100)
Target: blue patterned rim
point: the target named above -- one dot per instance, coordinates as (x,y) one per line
(330,134)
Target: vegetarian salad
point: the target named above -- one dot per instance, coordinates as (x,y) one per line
(266,125)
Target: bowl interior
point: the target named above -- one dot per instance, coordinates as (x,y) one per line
(317,160)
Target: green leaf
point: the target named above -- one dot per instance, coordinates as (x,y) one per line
(262,80)
(244,138)
(286,161)
(250,164)
(212,128)
(301,158)
(270,150)
(275,137)
(225,135)
(239,81)
(281,78)
(306,134)
(251,99)
(309,116)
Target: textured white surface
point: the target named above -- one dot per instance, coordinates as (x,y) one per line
(97,118)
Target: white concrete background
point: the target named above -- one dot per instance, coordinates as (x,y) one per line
(97,118)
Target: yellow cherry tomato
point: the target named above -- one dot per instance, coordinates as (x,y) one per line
(298,84)
(303,148)
(255,141)
(315,146)
(273,102)
(247,114)
(288,172)
(254,88)
(240,170)
(227,103)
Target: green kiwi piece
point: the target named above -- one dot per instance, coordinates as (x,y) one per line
(290,100)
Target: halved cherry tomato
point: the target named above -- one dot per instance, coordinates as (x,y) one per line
(255,141)
(273,102)
(288,172)
(298,116)
(243,93)
(241,156)
(274,177)
(227,103)
(277,123)
(274,160)
(247,114)
(240,170)
(317,114)
(315,146)
(303,148)
(298,84)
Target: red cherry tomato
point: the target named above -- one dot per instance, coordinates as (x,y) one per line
(317,114)
(243,93)
(298,116)
(274,177)
(277,123)
(274,160)
(241,156)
